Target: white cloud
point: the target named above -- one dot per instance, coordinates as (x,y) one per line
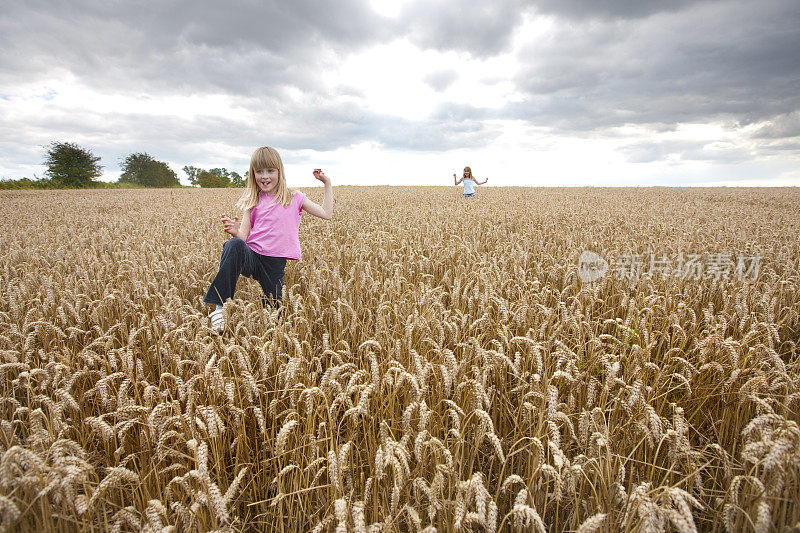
(526,92)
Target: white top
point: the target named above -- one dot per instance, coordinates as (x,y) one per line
(469,186)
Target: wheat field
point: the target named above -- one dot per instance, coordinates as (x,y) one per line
(438,365)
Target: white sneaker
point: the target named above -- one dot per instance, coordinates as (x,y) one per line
(217,318)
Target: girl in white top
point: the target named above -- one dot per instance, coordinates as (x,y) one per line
(469,182)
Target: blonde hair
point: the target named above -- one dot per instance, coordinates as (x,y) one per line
(468,170)
(265,157)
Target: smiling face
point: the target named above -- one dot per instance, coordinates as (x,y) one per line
(266,175)
(267,179)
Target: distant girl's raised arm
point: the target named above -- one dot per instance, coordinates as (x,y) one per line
(457,180)
(481,182)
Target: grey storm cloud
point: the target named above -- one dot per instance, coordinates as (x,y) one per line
(604,64)
(649,63)
(780,127)
(671,68)
(442,131)
(619,9)
(482,27)
(238,46)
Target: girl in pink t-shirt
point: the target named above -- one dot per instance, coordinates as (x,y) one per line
(268,233)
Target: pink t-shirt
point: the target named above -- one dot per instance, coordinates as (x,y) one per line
(274,229)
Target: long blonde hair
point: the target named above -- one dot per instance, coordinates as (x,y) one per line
(468,173)
(264,157)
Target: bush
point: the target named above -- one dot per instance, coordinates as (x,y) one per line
(142,169)
(216,177)
(70,166)
(24,183)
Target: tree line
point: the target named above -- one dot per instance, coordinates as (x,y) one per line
(70,166)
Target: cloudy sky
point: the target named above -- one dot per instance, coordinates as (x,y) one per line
(542,92)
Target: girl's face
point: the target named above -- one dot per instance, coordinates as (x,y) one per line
(267,179)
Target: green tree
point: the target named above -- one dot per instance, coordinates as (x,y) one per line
(216,177)
(69,165)
(237,180)
(142,169)
(192,173)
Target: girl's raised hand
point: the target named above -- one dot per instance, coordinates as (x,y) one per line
(320,175)
(230,226)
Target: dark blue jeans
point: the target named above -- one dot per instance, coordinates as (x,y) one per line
(238,259)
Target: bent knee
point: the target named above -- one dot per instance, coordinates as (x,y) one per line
(235,243)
